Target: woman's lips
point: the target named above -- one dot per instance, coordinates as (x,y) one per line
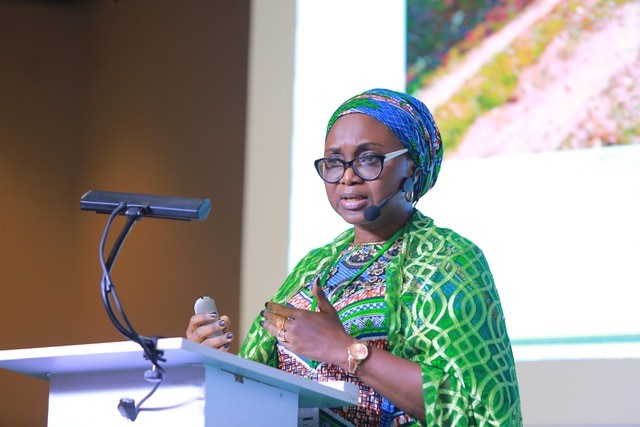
(353,202)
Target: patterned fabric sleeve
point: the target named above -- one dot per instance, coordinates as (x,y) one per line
(445,314)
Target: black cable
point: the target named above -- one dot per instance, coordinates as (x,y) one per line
(108,287)
(153,390)
(157,374)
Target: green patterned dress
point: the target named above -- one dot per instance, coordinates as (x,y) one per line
(442,311)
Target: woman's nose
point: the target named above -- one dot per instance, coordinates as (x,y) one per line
(350,176)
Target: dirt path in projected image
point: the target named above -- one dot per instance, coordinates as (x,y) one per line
(449,84)
(570,88)
(569,92)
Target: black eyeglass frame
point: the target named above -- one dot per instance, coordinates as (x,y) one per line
(382,157)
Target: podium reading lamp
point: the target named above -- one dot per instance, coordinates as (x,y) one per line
(135,207)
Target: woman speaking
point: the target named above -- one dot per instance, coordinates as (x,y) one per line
(404,309)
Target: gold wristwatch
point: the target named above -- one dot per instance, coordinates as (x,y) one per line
(358,353)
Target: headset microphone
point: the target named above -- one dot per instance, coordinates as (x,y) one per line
(373,212)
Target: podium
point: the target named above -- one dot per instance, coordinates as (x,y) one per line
(202,387)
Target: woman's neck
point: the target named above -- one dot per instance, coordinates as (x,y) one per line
(370,234)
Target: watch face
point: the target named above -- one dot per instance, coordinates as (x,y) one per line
(359,351)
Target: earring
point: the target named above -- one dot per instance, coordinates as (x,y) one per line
(416,178)
(409,196)
(407,187)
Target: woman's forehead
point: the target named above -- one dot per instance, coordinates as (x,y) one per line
(361,131)
(370,145)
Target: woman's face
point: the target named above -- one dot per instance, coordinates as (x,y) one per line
(355,135)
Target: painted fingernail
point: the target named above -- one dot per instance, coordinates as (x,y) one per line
(266,304)
(227,345)
(262,323)
(222,323)
(262,313)
(230,335)
(213,314)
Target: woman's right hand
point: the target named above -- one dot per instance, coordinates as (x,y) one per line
(210,330)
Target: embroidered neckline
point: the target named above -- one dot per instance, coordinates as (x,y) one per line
(381,242)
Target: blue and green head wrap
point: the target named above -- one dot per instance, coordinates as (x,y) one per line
(411,121)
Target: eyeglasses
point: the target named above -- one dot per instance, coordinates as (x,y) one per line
(368,167)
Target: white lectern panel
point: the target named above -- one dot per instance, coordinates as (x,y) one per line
(203,386)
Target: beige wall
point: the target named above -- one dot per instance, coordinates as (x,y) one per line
(140,96)
(265,232)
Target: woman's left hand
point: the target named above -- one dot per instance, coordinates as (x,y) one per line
(316,335)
